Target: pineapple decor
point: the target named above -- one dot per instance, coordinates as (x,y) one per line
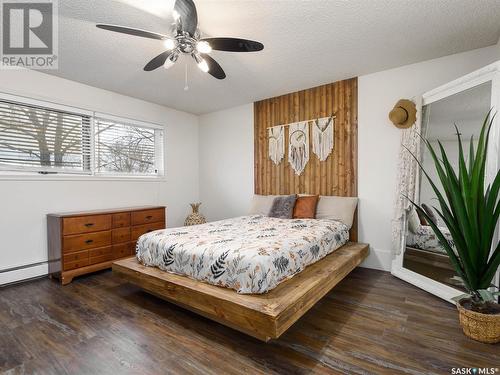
(195,217)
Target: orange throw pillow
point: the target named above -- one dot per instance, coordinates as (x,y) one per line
(305,207)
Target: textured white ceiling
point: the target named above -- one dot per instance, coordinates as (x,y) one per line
(307,43)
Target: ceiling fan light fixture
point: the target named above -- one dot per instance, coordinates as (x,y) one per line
(176,15)
(170,61)
(169,44)
(201,62)
(203,66)
(203,47)
(168,64)
(184,38)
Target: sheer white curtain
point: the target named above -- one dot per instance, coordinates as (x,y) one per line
(407,184)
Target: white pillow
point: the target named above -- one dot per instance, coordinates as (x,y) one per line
(413,221)
(338,208)
(261,204)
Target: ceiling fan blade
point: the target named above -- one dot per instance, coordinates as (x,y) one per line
(188,15)
(214,68)
(234,44)
(132,31)
(157,61)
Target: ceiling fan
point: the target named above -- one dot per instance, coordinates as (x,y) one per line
(186,39)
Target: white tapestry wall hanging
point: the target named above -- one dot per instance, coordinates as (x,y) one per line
(298,148)
(276,143)
(322,137)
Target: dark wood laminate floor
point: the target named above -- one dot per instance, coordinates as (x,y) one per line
(370,323)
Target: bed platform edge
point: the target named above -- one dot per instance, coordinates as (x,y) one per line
(263,316)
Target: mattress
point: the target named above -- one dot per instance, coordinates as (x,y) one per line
(250,254)
(425,239)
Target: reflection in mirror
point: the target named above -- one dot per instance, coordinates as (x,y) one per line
(467,109)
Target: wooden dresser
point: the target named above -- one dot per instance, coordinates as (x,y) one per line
(88,241)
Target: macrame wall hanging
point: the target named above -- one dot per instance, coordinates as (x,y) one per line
(298,150)
(276,143)
(322,137)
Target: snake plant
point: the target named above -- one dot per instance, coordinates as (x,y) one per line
(470,210)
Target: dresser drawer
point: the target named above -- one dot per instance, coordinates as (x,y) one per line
(139,230)
(67,266)
(100,251)
(121,250)
(148,216)
(77,256)
(86,241)
(120,235)
(121,220)
(85,224)
(101,254)
(101,258)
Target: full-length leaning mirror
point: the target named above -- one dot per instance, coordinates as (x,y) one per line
(464,102)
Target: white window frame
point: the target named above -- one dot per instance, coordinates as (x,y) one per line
(22,173)
(159,146)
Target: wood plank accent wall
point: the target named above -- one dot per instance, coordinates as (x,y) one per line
(338,175)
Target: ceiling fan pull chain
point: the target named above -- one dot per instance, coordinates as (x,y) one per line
(186,87)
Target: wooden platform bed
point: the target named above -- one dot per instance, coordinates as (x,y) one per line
(264,316)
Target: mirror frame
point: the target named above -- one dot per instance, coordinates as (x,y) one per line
(488,73)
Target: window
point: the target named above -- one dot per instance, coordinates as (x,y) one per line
(45,140)
(43,137)
(125,148)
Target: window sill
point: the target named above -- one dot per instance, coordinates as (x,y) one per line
(68,177)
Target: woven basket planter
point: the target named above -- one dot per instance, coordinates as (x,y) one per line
(480,327)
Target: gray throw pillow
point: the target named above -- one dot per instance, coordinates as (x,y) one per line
(282,207)
(428,210)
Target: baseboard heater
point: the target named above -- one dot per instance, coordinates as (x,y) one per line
(22,273)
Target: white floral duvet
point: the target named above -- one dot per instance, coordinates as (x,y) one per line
(251,254)
(425,239)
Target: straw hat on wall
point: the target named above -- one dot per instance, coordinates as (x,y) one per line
(404,114)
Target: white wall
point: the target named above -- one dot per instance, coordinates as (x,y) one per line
(24,203)
(378,146)
(226,162)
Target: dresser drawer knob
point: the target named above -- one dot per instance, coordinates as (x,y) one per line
(88,225)
(89,241)
(149,217)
